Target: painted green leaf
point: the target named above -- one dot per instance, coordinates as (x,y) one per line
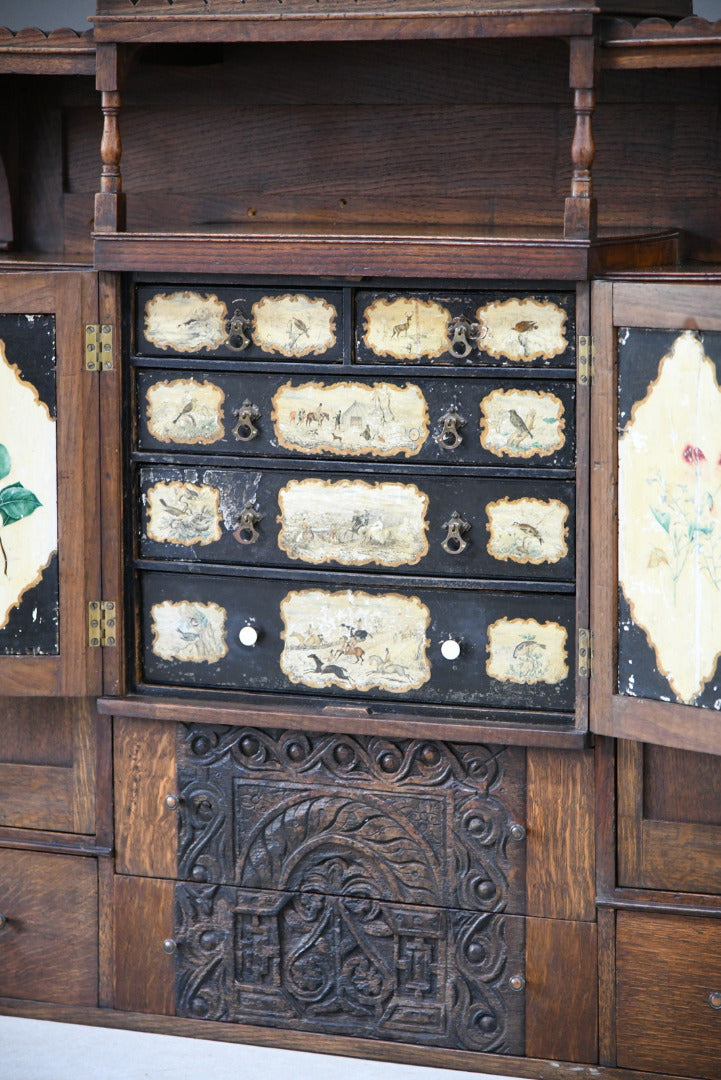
(662,517)
(16,503)
(5,462)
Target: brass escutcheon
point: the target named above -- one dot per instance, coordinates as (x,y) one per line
(245,428)
(235,329)
(455,528)
(245,531)
(448,435)
(464,335)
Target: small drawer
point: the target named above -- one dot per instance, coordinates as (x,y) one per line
(491,328)
(669,993)
(521,423)
(49,931)
(445,646)
(239,323)
(450,526)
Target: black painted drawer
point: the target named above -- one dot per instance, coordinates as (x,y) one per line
(239,323)
(392,642)
(483,421)
(490,327)
(455,526)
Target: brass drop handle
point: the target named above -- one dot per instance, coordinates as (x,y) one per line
(456,528)
(171,801)
(170,946)
(449,435)
(3,921)
(245,531)
(235,329)
(714,999)
(245,428)
(464,333)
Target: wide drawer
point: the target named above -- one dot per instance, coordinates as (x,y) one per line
(428,823)
(438,645)
(669,993)
(350,965)
(455,526)
(240,322)
(481,421)
(489,327)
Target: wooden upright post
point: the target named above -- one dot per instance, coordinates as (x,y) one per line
(110,200)
(579,220)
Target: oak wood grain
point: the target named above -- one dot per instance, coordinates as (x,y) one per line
(560,868)
(49,942)
(143,919)
(145,772)
(561,990)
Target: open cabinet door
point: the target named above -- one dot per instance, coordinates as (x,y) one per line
(656,513)
(49,477)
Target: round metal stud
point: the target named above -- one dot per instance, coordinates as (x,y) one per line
(517,983)
(517,831)
(714,999)
(172,802)
(170,947)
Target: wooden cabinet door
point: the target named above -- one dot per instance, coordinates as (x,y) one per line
(49,483)
(656,513)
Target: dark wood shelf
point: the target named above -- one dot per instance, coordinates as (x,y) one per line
(295,715)
(435,251)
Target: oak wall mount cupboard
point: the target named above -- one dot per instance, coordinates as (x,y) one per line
(359,480)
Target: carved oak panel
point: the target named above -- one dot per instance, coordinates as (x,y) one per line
(408,821)
(350,965)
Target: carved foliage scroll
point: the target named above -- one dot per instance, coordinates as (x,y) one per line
(405,820)
(349,965)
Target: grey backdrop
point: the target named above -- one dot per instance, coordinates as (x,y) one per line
(50,14)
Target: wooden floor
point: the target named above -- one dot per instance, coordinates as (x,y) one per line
(38,1050)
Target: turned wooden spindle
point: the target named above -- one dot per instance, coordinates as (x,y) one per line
(580,211)
(110,201)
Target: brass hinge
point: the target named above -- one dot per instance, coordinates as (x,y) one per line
(99,353)
(585,653)
(101,623)
(584,360)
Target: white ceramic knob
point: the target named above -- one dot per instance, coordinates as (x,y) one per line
(450,650)
(248,636)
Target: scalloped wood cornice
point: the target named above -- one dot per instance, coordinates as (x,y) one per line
(33,40)
(56,52)
(689,31)
(658,43)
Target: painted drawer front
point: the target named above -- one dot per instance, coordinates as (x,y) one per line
(239,323)
(456,526)
(498,423)
(347,964)
(388,642)
(409,821)
(490,327)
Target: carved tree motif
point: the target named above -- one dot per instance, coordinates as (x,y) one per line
(409,821)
